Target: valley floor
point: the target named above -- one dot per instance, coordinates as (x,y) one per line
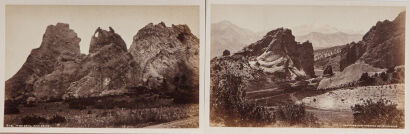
(331,107)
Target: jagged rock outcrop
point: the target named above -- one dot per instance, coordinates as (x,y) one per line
(168,58)
(60,45)
(382,46)
(108,68)
(162,58)
(278,53)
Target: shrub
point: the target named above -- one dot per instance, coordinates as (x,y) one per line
(11,108)
(382,112)
(57,119)
(32,120)
(366,80)
(226,53)
(295,114)
(150,116)
(228,104)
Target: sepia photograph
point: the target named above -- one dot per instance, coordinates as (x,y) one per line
(102,66)
(307,66)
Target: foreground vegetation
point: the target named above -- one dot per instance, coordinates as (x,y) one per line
(127,110)
(381,112)
(230,108)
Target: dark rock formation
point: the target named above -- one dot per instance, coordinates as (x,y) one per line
(351,53)
(280,48)
(108,69)
(60,44)
(102,38)
(382,46)
(167,57)
(162,58)
(328,71)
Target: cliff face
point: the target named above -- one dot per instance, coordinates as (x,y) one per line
(167,56)
(108,68)
(160,58)
(382,46)
(60,44)
(278,52)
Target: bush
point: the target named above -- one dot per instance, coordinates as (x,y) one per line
(294,114)
(32,120)
(229,106)
(11,108)
(151,116)
(382,112)
(57,119)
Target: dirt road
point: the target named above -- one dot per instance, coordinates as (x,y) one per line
(191,122)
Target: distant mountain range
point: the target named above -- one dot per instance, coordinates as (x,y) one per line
(325,40)
(226,35)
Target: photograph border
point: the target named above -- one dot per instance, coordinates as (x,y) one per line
(199,3)
(294,130)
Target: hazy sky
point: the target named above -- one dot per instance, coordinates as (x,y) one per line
(25,25)
(349,19)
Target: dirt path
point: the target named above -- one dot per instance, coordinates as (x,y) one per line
(190,122)
(264,90)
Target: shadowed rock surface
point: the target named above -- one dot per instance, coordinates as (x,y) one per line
(382,46)
(328,71)
(160,58)
(168,59)
(60,44)
(108,68)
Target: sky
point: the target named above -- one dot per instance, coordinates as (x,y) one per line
(26,24)
(326,19)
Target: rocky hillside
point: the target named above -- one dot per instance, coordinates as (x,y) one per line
(278,53)
(160,58)
(327,52)
(382,46)
(328,56)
